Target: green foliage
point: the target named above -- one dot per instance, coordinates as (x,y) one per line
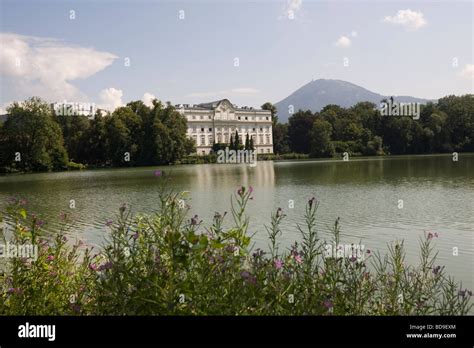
(272,108)
(75,166)
(218,146)
(132,135)
(169,264)
(445,126)
(320,145)
(58,281)
(284,156)
(75,131)
(459,121)
(299,131)
(280,139)
(32,133)
(198,159)
(237,145)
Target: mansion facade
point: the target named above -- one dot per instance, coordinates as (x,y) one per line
(215,122)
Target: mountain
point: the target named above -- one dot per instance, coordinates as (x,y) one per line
(317,94)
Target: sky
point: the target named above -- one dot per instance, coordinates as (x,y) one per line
(111,52)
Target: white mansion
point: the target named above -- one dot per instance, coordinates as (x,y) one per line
(217,121)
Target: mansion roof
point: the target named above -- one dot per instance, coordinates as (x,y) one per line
(215,104)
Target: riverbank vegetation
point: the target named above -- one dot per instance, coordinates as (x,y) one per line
(34,138)
(169,264)
(442,127)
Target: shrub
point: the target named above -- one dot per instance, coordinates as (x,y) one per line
(169,264)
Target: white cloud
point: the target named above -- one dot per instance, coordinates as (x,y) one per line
(227,92)
(468,71)
(110,99)
(411,20)
(343,42)
(290,9)
(148,98)
(294,5)
(45,67)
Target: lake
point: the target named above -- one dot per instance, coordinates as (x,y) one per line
(437,194)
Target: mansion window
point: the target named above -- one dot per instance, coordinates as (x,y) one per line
(246,118)
(203,140)
(210,129)
(202,129)
(266,118)
(261,139)
(194,117)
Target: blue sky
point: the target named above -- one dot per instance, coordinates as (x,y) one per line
(423,49)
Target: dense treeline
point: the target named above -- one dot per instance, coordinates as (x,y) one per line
(445,126)
(34,138)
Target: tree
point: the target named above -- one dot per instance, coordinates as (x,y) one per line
(247,142)
(231,143)
(460,121)
(321,139)
(374,147)
(273,110)
(74,130)
(95,141)
(397,134)
(280,138)
(123,129)
(190,146)
(175,145)
(236,141)
(299,128)
(30,138)
(251,147)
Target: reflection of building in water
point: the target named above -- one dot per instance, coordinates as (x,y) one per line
(217,121)
(234,175)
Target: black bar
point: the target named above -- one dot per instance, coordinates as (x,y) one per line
(242,330)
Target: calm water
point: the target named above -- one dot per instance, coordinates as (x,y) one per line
(438,195)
